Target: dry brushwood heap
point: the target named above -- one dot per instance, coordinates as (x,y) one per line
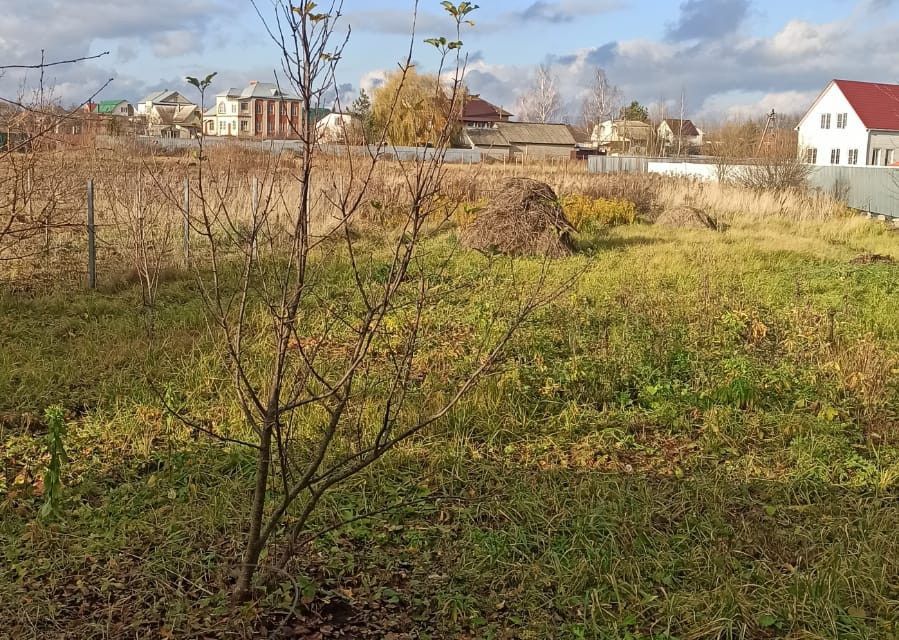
(687,217)
(524,218)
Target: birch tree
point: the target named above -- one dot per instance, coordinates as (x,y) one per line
(602,101)
(541,101)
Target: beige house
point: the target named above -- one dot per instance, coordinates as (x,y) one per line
(164,98)
(174,121)
(260,110)
(631,136)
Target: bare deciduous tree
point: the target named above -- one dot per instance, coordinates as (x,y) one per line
(321,330)
(541,102)
(602,102)
(37,195)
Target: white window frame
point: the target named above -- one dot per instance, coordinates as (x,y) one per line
(221,107)
(888,157)
(825,121)
(875,157)
(842,120)
(834,156)
(811,156)
(852,157)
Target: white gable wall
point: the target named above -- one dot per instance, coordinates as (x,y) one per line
(854,136)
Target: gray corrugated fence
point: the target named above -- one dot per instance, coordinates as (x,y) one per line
(617,164)
(872,189)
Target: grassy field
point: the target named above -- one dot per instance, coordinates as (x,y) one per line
(701,440)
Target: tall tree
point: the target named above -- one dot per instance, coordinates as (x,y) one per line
(635,111)
(601,102)
(541,101)
(411,107)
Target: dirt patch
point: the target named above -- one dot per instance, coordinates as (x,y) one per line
(524,218)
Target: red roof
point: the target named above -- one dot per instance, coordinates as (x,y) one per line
(876,104)
(479,110)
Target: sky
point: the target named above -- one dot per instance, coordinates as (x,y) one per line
(727,58)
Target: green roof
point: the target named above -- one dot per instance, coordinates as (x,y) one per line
(108,106)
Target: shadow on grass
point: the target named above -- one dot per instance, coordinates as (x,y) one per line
(591,244)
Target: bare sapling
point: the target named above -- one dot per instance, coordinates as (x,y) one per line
(322,328)
(145,221)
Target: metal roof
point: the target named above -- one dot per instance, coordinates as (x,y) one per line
(485,137)
(681,127)
(536,133)
(875,103)
(266,90)
(177,115)
(108,106)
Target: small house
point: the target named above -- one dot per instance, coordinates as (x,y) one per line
(162,98)
(629,136)
(679,136)
(339,128)
(121,108)
(174,121)
(523,139)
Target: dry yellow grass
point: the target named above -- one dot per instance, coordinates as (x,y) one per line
(128,181)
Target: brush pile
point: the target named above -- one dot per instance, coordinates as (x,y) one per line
(524,218)
(687,217)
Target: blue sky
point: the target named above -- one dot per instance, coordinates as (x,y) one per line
(726,57)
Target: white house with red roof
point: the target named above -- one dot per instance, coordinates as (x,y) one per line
(852,123)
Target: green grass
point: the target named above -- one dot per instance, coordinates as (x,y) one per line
(700,441)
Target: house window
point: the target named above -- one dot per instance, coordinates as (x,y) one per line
(825,121)
(258,106)
(888,157)
(233,108)
(244,126)
(244,106)
(853,156)
(835,156)
(842,120)
(875,157)
(293,109)
(221,107)
(811,156)
(271,108)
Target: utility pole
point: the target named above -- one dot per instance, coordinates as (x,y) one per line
(770,125)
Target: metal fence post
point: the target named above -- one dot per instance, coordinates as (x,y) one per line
(255,196)
(186,220)
(91,238)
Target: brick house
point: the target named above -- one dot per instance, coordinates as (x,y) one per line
(260,110)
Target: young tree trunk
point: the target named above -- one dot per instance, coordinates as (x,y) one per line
(254,545)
